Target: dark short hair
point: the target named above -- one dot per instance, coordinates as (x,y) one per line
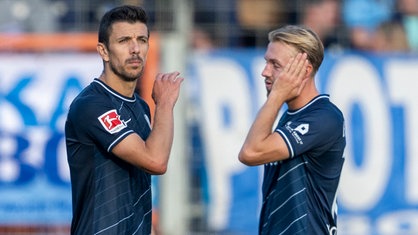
(130,14)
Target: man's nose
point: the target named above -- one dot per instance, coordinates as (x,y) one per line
(134,47)
(266,72)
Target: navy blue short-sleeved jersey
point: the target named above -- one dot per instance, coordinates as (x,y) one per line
(299,193)
(109,195)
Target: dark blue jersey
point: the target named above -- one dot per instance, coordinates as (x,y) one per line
(110,196)
(299,193)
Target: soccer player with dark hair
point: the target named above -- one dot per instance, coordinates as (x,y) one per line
(111,148)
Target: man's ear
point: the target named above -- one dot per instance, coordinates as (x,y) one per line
(309,70)
(103,52)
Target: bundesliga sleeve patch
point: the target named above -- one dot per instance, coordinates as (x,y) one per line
(111,121)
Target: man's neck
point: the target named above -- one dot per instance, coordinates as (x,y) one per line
(122,87)
(309,93)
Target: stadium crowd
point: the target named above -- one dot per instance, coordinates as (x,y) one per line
(372,25)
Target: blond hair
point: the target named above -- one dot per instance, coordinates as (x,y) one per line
(303,40)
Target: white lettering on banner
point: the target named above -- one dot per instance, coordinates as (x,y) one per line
(403,222)
(354,225)
(371,92)
(225,115)
(400,222)
(8,170)
(32,142)
(403,89)
(354,81)
(34,111)
(34,99)
(259,84)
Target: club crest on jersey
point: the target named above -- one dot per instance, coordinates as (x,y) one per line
(111,121)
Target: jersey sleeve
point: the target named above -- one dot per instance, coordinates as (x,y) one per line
(145,107)
(312,133)
(99,123)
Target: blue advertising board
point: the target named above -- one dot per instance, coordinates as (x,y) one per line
(378,193)
(35,93)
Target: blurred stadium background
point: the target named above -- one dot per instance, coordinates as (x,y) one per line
(47,55)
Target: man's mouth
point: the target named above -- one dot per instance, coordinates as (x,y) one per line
(135,61)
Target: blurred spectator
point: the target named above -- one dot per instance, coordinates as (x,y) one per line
(257,18)
(323,17)
(408,15)
(362,17)
(201,40)
(216,19)
(390,37)
(81,15)
(27,16)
